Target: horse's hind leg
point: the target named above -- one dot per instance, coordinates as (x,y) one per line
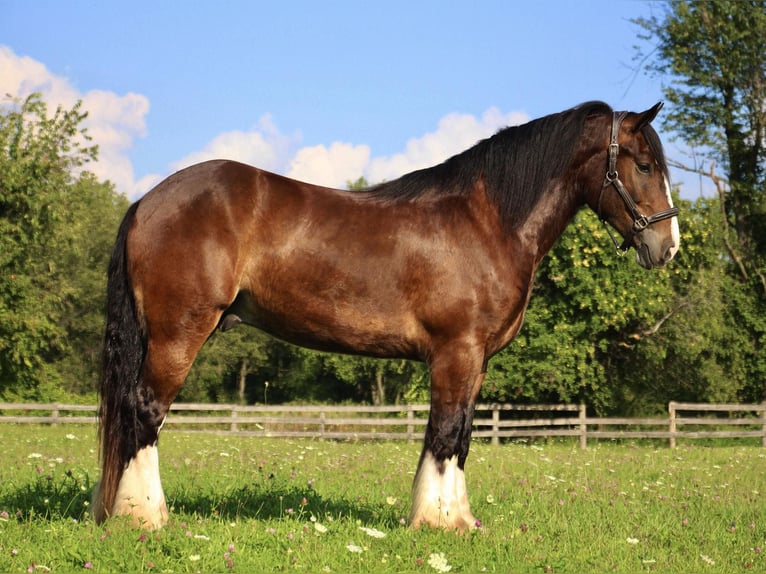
(439,494)
(168,360)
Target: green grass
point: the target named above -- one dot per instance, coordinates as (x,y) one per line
(264,505)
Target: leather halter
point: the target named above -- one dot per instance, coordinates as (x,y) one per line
(640,221)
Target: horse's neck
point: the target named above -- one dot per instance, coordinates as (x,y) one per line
(553,212)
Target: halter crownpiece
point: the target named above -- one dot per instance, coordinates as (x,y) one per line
(640,221)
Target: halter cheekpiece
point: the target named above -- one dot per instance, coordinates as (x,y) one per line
(612,178)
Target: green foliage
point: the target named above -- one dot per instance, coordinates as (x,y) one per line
(93,213)
(222,369)
(388,381)
(55,228)
(713,55)
(712,347)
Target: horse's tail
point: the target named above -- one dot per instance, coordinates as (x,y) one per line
(123,358)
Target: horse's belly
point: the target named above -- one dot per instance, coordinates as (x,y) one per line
(332,324)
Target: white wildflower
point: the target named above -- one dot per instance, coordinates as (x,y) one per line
(354,548)
(321,528)
(375,533)
(632,540)
(439,562)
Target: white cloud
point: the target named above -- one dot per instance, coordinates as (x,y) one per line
(331,166)
(263,146)
(21,76)
(340,162)
(455,133)
(113,122)
(116,121)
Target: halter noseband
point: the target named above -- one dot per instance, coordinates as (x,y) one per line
(640,221)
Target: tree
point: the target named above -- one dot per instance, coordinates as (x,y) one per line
(91,213)
(38,156)
(714,55)
(57,226)
(709,350)
(225,365)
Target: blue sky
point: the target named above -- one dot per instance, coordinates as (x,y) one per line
(325,91)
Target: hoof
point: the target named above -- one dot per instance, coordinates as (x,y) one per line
(146,517)
(139,494)
(439,497)
(460,524)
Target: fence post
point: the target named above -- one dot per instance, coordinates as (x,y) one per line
(233,427)
(410,426)
(672,423)
(763,418)
(495,425)
(321,423)
(582,412)
(54,415)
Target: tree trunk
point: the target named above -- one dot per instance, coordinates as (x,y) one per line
(242,381)
(379,390)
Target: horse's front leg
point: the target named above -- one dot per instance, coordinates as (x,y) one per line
(439,494)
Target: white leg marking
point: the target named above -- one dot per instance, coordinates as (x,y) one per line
(441,499)
(140,492)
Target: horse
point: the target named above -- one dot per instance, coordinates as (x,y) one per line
(435,266)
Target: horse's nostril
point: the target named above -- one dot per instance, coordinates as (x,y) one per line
(670,251)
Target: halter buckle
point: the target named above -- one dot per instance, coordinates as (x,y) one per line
(614,151)
(640,223)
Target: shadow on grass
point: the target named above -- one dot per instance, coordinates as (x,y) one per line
(47,498)
(274,502)
(68,497)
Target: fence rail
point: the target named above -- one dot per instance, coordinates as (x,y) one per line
(407,422)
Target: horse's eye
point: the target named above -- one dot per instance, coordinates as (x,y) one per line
(644,168)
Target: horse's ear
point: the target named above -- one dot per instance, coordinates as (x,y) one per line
(645,118)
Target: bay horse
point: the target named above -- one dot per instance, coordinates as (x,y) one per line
(435,266)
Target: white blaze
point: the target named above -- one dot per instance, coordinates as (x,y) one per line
(674,231)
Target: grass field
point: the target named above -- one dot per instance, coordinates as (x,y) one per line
(264,505)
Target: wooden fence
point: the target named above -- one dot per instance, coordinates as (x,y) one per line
(407,422)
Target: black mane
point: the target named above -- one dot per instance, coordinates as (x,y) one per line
(516,162)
